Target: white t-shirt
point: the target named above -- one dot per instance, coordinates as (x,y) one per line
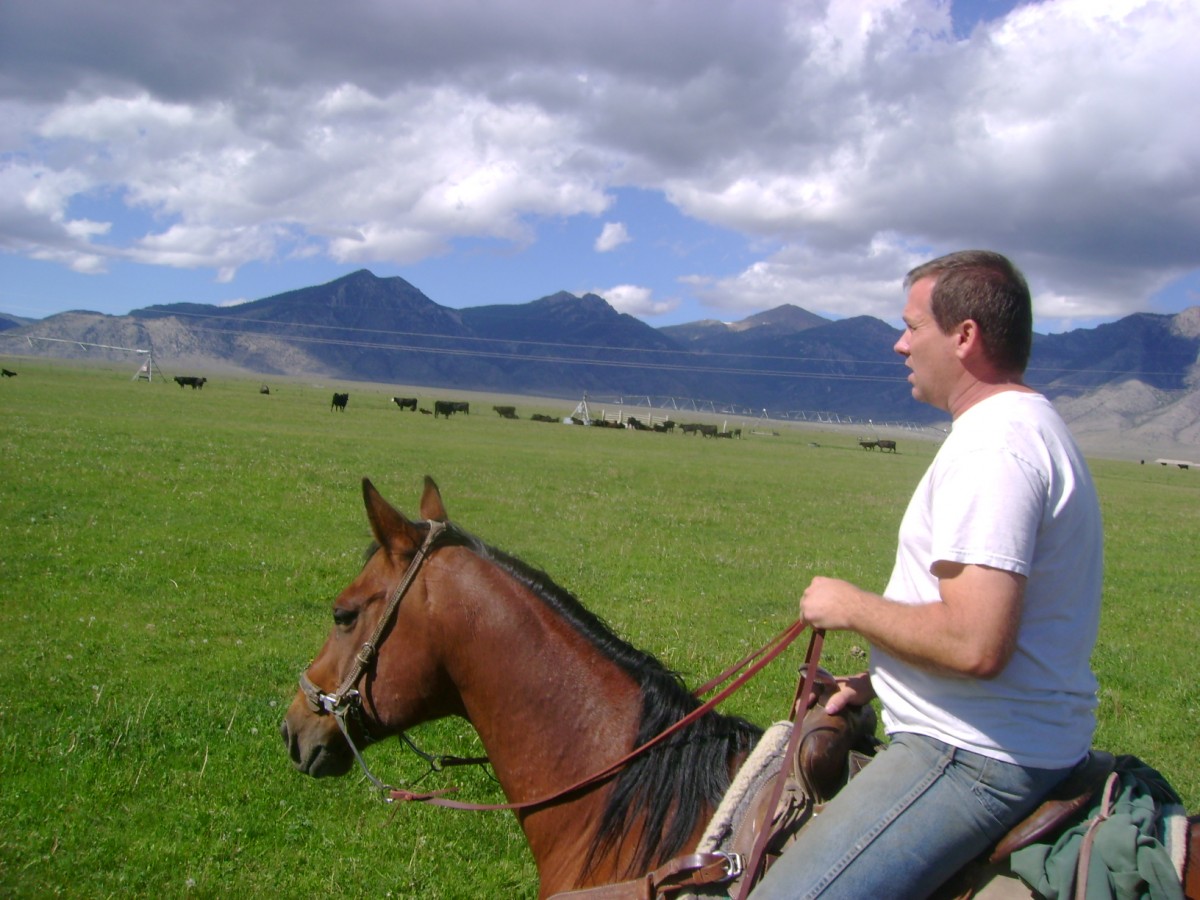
(1008,489)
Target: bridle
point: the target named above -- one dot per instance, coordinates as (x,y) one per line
(347,700)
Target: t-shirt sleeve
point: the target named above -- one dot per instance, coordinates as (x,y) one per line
(987,511)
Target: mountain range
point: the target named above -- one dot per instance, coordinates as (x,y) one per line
(785,360)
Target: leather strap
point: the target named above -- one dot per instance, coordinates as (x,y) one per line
(690,871)
(806,692)
(318,700)
(778,644)
(366,653)
(1089,836)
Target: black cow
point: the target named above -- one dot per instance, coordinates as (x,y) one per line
(506,412)
(339,402)
(448,408)
(406,402)
(8,373)
(887,445)
(542,417)
(190,381)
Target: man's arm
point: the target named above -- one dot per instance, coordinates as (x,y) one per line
(970,631)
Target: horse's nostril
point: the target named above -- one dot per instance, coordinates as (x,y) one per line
(288,741)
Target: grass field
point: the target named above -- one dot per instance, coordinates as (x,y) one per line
(169,558)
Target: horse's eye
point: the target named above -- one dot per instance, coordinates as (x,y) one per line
(344,617)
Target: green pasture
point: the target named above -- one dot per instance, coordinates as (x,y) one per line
(169,556)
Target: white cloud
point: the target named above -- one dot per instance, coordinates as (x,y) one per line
(847,136)
(612,236)
(190,246)
(827,282)
(35,219)
(635,300)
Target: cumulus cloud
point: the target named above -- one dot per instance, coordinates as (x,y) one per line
(635,300)
(612,236)
(826,281)
(842,141)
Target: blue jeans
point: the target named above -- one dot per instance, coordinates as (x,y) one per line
(911,819)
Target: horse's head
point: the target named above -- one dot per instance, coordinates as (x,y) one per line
(375,692)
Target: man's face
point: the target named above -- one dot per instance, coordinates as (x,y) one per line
(928,352)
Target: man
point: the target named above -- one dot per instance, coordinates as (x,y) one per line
(980,643)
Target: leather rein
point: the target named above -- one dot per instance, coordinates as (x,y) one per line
(347,700)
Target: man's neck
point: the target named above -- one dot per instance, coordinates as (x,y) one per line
(977,390)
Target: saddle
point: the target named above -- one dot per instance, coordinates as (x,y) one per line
(831,750)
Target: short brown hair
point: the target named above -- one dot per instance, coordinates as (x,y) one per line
(988,288)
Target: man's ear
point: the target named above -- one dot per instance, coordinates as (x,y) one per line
(968,340)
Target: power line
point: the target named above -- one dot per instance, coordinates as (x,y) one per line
(564,360)
(1046,372)
(606,347)
(515,341)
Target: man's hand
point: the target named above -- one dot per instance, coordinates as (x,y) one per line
(829,603)
(852,690)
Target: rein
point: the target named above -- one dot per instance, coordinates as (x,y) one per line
(765,655)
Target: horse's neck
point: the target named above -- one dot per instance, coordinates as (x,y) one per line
(549,707)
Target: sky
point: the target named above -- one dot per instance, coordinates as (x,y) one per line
(683,159)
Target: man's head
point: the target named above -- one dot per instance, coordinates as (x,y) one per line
(985,287)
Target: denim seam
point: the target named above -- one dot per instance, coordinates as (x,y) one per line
(936,772)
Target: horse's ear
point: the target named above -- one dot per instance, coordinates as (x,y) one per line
(432,507)
(391,529)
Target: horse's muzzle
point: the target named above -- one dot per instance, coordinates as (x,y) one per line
(315,748)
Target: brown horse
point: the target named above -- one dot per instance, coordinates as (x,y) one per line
(574,699)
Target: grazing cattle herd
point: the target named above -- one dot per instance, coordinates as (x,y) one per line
(444,409)
(447,408)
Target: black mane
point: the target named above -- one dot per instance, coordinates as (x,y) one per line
(671,784)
